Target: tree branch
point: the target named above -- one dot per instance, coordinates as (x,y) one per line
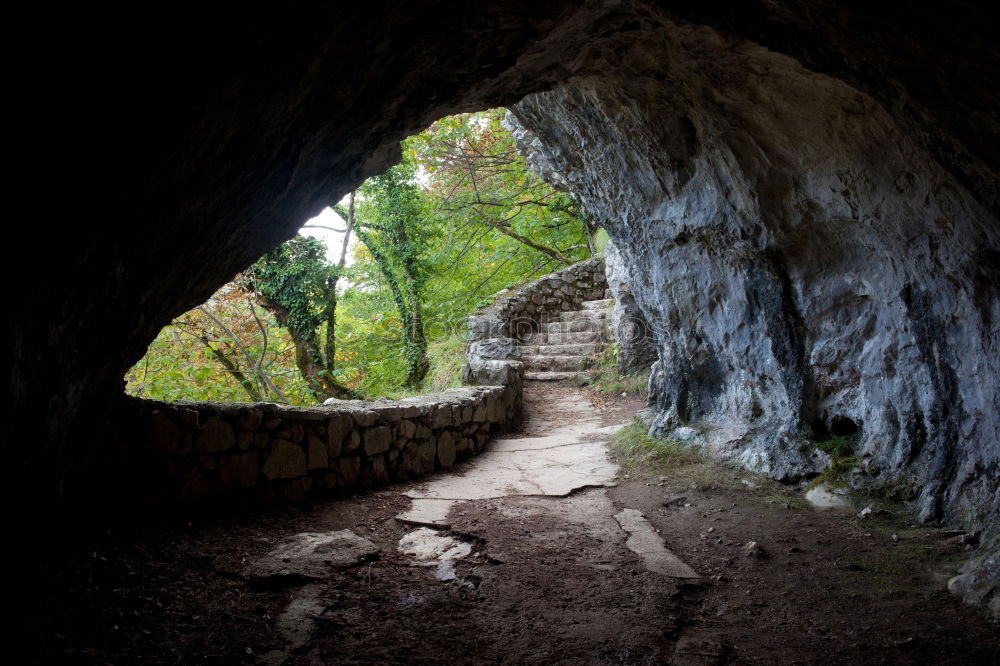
(555,254)
(229,366)
(236,340)
(264,377)
(322,226)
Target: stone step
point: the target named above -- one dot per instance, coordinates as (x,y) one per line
(578,326)
(579,349)
(559,363)
(555,376)
(564,338)
(584,315)
(597,305)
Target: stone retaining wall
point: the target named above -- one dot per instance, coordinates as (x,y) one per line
(495,331)
(515,314)
(195,450)
(182,452)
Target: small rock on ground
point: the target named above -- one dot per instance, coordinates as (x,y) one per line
(312,555)
(822,497)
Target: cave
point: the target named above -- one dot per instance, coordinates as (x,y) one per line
(803,202)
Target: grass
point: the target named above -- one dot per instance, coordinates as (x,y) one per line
(643,456)
(914,557)
(446,355)
(609,357)
(612,381)
(836,474)
(919,550)
(779,498)
(842,461)
(837,446)
(637,450)
(607,379)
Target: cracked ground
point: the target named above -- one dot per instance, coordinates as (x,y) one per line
(547,577)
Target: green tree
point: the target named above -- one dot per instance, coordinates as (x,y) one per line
(299,287)
(224,349)
(476,174)
(459,220)
(390,226)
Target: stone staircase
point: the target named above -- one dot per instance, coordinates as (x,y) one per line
(567,347)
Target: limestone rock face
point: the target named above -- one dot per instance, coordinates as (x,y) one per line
(978,583)
(805,268)
(630,330)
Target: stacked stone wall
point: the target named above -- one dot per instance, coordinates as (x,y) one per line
(190,451)
(515,314)
(183,452)
(495,332)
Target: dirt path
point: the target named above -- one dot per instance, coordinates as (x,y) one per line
(528,564)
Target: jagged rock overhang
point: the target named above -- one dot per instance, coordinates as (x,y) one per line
(191,142)
(804,261)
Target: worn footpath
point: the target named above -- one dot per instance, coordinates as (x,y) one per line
(540,550)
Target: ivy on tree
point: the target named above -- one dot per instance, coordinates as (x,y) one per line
(389,224)
(296,283)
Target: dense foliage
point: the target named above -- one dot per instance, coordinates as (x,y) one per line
(480,187)
(390,226)
(227,349)
(460,219)
(299,287)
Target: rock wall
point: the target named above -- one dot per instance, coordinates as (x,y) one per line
(806,267)
(183,452)
(631,331)
(495,331)
(201,140)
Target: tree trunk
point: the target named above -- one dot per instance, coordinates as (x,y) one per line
(330,347)
(417,364)
(308,359)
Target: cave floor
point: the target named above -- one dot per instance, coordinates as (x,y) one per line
(536,578)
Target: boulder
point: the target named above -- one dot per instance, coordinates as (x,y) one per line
(491,373)
(495,348)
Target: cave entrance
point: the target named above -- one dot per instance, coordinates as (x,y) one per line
(798,195)
(370,299)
